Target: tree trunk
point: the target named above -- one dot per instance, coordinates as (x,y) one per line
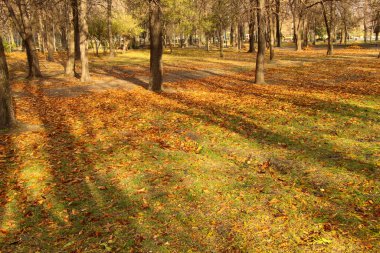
(50,35)
(261,42)
(345,34)
(221,53)
(306,32)
(63,37)
(11,38)
(25,30)
(240,36)
(271,33)
(41,34)
(70,63)
(7,117)
(75,4)
(278,25)
(207,43)
(156,46)
(252,24)
(82,14)
(299,35)
(109,27)
(330,46)
(232,34)
(365,21)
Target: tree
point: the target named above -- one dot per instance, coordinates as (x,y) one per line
(278,25)
(49,26)
(329,22)
(221,12)
(83,30)
(125,27)
(24,27)
(252,26)
(7,117)
(156,45)
(271,29)
(298,11)
(70,63)
(261,42)
(109,27)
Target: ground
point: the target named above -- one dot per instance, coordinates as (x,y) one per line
(214,163)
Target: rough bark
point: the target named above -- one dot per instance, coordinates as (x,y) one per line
(70,63)
(7,117)
(82,14)
(261,42)
(75,5)
(156,45)
(278,25)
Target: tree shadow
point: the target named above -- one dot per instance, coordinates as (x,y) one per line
(340,109)
(84,200)
(212,113)
(323,154)
(119,73)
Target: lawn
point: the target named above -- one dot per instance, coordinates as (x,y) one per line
(214,163)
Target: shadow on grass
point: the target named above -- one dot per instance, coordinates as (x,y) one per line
(215,115)
(323,154)
(306,102)
(85,200)
(91,208)
(119,73)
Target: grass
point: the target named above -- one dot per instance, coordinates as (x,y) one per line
(215,164)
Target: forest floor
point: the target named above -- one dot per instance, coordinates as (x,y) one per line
(214,163)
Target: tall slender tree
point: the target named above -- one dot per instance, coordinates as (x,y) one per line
(278,25)
(7,117)
(83,29)
(156,45)
(70,63)
(328,16)
(252,26)
(261,42)
(109,27)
